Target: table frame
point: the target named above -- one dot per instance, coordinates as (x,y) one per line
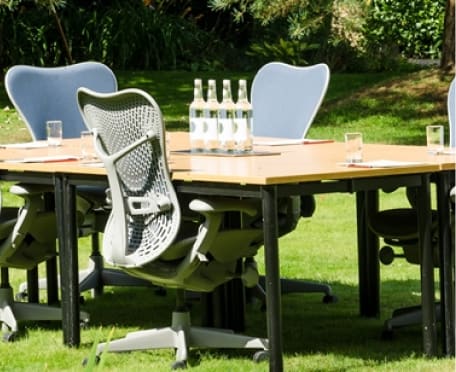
(365,185)
(366,190)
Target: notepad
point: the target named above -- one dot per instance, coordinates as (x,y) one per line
(25,145)
(43,159)
(286,142)
(224,154)
(382,164)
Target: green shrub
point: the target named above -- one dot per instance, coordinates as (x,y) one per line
(124,34)
(412,29)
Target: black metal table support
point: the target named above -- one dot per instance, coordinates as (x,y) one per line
(52,285)
(273,294)
(225,306)
(368,262)
(446,262)
(52,281)
(65,205)
(32,285)
(429,328)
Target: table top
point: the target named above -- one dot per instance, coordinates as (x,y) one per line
(277,165)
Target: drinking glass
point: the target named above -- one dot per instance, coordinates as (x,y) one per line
(353,147)
(87,150)
(434,137)
(54,132)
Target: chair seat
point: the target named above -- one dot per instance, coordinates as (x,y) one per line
(398,224)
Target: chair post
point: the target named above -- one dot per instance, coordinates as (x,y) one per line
(4,274)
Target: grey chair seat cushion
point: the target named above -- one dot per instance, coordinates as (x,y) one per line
(397,224)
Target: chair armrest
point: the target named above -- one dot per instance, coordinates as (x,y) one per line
(22,189)
(221,205)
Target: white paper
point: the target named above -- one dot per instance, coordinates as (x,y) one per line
(285,142)
(94,164)
(25,145)
(43,159)
(383,164)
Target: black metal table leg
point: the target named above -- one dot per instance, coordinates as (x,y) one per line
(32,285)
(52,285)
(52,281)
(65,206)
(273,294)
(368,261)
(446,263)
(429,328)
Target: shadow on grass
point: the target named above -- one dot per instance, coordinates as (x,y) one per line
(309,325)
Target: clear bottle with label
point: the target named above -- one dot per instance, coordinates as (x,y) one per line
(196,118)
(243,120)
(211,138)
(226,116)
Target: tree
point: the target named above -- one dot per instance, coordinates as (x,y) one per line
(302,16)
(52,6)
(447,62)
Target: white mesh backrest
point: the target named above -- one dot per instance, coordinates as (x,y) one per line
(285,99)
(145,214)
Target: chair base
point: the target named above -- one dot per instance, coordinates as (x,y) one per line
(12,312)
(301,286)
(95,277)
(181,336)
(407,316)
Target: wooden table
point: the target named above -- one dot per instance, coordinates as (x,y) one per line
(291,170)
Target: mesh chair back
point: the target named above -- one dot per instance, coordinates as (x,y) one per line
(129,136)
(49,93)
(285,99)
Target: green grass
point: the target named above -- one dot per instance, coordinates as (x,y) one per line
(387,108)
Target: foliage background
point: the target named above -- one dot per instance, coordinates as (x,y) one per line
(196,35)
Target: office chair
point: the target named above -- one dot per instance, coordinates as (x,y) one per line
(399,229)
(27,238)
(144,233)
(285,100)
(40,94)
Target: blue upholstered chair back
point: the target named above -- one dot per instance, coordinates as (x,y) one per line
(49,93)
(286,98)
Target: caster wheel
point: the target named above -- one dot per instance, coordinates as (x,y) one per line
(21,296)
(86,360)
(260,356)
(10,336)
(84,324)
(180,364)
(330,299)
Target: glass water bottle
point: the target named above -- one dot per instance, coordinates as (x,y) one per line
(196,118)
(243,120)
(226,116)
(211,140)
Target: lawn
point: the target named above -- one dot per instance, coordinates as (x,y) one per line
(386,108)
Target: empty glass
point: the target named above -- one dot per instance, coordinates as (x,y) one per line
(87,150)
(353,147)
(434,137)
(54,132)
